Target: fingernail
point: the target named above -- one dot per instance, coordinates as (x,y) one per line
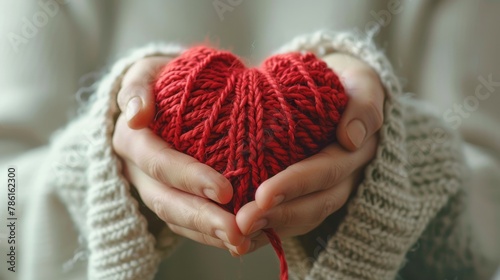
(133,107)
(210,193)
(232,250)
(255,234)
(221,235)
(277,200)
(356,131)
(260,224)
(215,180)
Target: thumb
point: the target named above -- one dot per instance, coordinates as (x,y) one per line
(363,115)
(135,98)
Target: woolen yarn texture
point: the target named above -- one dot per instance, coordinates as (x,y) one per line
(248,123)
(405,219)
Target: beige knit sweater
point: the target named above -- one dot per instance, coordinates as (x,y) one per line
(405,216)
(444,52)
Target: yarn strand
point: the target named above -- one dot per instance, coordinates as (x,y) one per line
(276,243)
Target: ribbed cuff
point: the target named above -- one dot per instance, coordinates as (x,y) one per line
(118,241)
(389,211)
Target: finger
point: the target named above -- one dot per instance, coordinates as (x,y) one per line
(318,172)
(185,210)
(211,241)
(262,239)
(363,115)
(256,240)
(135,97)
(197,236)
(162,163)
(283,233)
(299,215)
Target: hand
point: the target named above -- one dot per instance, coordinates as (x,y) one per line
(298,199)
(365,105)
(364,114)
(176,187)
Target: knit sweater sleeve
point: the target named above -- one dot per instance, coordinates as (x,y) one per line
(406,217)
(89,181)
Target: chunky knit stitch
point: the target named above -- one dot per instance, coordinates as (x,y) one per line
(118,244)
(248,124)
(399,201)
(398,197)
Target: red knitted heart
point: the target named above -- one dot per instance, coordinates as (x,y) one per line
(248,123)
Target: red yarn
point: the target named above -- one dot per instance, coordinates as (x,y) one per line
(248,124)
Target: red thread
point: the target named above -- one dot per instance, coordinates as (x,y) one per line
(248,124)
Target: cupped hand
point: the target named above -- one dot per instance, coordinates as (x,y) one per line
(298,199)
(181,191)
(293,202)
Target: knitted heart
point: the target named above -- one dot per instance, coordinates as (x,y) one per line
(248,123)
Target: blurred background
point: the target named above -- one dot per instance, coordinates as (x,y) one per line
(445,53)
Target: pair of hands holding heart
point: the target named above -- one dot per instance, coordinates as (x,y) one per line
(181,191)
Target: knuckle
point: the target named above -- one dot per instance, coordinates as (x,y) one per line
(158,203)
(377,118)
(288,216)
(156,164)
(331,203)
(187,175)
(332,172)
(136,87)
(197,221)
(301,187)
(153,167)
(200,219)
(207,240)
